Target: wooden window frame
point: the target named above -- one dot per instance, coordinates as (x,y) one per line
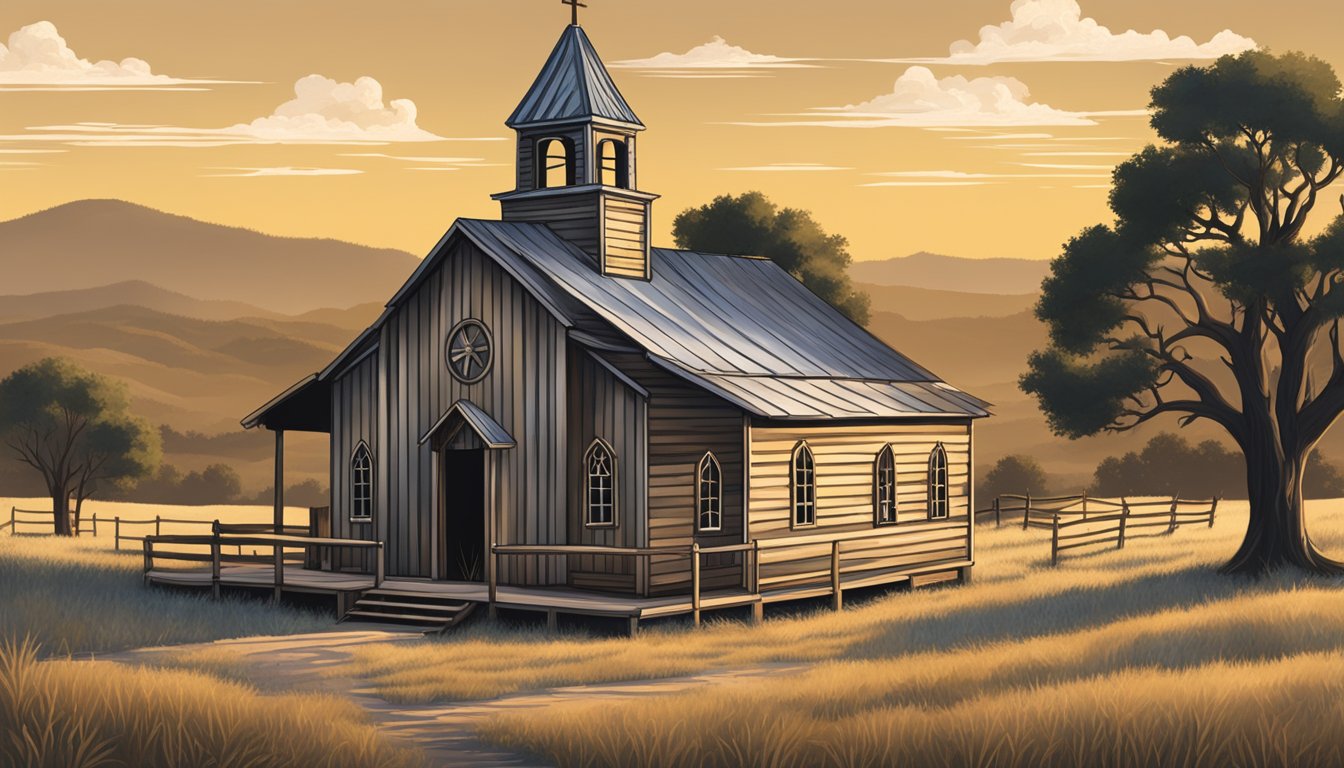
(619,161)
(878,482)
(545,166)
(361,451)
(940,507)
(599,444)
(809,502)
(712,496)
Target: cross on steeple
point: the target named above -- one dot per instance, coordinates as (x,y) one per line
(574,6)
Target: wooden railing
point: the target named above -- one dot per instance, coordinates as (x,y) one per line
(45,523)
(831,581)
(276,542)
(1162,517)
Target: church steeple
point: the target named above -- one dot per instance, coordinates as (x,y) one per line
(576,160)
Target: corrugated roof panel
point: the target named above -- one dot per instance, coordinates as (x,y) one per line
(741,327)
(573,85)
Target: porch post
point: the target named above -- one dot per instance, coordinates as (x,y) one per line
(279,481)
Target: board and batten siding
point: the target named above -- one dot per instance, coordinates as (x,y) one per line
(354,398)
(524,392)
(606,408)
(844,457)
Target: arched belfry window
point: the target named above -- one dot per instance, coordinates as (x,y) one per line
(555,163)
(599,486)
(709,494)
(938,504)
(613,163)
(361,484)
(803,486)
(884,487)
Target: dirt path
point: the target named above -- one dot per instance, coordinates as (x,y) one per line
(445,732)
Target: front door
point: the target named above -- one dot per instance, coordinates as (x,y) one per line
(462,541)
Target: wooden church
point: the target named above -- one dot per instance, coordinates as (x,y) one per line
(556,409)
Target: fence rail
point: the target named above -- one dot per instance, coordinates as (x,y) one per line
(42,520)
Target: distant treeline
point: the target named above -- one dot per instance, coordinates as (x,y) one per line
(1169,465)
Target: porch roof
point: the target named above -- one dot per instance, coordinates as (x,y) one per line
(487,429)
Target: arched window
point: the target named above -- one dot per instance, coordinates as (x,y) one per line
(599,487)
(613,163)
(884,487)
(361,484)
(709,494)
(804,487)
(938,483)
(555,163)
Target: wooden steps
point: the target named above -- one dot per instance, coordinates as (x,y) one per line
(427,612)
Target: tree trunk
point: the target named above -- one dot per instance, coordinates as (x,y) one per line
(1276,536)
(60,510)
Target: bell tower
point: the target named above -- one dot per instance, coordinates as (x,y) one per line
(576,160)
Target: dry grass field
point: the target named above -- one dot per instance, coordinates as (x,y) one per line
(1138,657)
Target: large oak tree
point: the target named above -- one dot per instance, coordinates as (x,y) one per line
(1210,298)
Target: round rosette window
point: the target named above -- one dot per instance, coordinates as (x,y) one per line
(470,351)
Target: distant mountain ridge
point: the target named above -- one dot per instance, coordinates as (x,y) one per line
(97,243)
(951,273)
(137,293)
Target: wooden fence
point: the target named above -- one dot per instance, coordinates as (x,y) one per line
(40,521)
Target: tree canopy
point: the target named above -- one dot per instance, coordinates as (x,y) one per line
(1014,474)
(750,224)
(1207,299)
(76,430)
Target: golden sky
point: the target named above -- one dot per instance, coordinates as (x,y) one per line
(1009,160)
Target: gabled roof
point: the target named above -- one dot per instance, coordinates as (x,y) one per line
(492,435)
(740,327)
(573,85)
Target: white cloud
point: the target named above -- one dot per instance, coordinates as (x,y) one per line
(921,100)
(717,58)
(323,111)
(38,58)
(966,179)
(789,168)
(1056,30)
(250,173)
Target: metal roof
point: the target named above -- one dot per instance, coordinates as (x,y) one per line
(573,85)
(740,327)
(491,433)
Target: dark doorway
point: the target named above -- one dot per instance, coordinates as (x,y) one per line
(463,538)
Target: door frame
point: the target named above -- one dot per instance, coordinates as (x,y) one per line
(438,520)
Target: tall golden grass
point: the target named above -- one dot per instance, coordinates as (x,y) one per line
(72,714)
(1016,598)
(76,596)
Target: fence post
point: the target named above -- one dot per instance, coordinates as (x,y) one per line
(215,557)
(998,513)
(1054,542)
(494,576)
(12,515)
(95,525)
(1124,518)
(278,558)
(1213,510)
(695,583)
(116,533)
(149,556)
(1026,512)
(1084,505)
(158,525)
(837,594)
(1172,528)
(756,566)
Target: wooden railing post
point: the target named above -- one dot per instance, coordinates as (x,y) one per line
(95,525)
(493,595)
(756,566)
(998,512)
(278,558)
(1124,519)
(158,525)
(1213,510)
(695,583)
(215,558)
(837,594)
(380,566)
(149,556)
(1054,543)
(1026,512)
(116,533)
(1174,500)
(12,515)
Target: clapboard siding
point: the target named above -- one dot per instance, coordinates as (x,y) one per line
(573,216)
(845,456)
(524,392)
(608,409)
(625,237)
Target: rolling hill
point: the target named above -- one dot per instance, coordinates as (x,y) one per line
(949,273)
(96,243)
